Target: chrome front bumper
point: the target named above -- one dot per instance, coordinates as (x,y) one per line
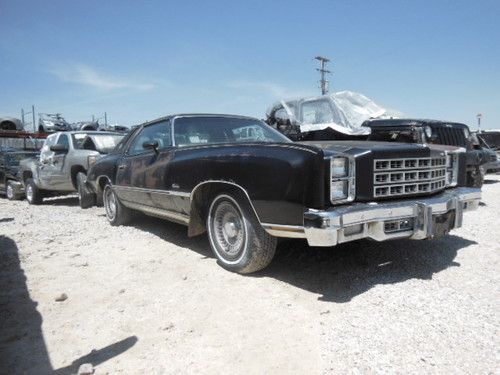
(414,219)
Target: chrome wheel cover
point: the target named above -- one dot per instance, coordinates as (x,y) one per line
(110,203)
(10,191)
(228,229)
(29,193)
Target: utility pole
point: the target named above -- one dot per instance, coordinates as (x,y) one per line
(324,82)
(479,115)
(106,119)
(33,114)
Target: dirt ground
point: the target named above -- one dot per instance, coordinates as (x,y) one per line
(146,299)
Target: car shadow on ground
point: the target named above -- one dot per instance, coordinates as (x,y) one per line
(338,273)
(22,345)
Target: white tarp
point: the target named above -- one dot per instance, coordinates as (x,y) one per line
(342,111)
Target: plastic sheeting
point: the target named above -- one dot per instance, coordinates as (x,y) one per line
(342,111)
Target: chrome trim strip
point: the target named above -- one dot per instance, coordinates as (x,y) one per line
(287,231)
(155,191)
(175,216)
(229,183)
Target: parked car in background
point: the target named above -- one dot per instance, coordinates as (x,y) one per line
(10,184)
(85,125)
(246,188)
(10,124)
(329,117)
(50,123)
(433,132)
(490,139)
(114,128)
(64,161)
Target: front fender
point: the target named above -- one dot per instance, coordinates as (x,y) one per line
(280,180)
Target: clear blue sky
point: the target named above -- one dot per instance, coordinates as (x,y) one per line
(139,60)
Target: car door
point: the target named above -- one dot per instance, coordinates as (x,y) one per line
(142,174)
(52,166)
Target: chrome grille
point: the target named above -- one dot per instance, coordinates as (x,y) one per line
(394,177)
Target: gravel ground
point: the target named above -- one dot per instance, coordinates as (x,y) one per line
(148,299)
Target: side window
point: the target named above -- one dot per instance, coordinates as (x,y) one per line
(63,140)
(159,132)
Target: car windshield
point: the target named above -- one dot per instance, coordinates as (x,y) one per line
(212,130)
(403,136)
(103,143)
(13,160)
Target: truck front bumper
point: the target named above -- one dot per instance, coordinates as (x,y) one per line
(414,219)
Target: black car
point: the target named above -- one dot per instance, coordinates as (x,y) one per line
(247,184)
(433,132)
(9,166)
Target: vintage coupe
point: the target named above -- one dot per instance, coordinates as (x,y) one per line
(246,184)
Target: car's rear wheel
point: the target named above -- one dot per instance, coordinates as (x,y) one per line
(236,237)
(86,198)
(116,213)
(33,194)
(11,193)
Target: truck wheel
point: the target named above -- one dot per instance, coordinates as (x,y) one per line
(11,193)
(236,237)
(86,198)
(33,194)
(116,213)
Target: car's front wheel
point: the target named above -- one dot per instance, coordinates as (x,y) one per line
(33,194)
(11,192)
(236,237)
(116,213)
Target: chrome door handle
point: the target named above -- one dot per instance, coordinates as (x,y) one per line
(121,166)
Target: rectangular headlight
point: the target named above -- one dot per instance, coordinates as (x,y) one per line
(92,159)
(339,190)
(339,167)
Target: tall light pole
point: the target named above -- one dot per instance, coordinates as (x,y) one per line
(479,115)
(323,72)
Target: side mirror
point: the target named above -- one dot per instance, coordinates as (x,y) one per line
(61,149)
(151,145)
